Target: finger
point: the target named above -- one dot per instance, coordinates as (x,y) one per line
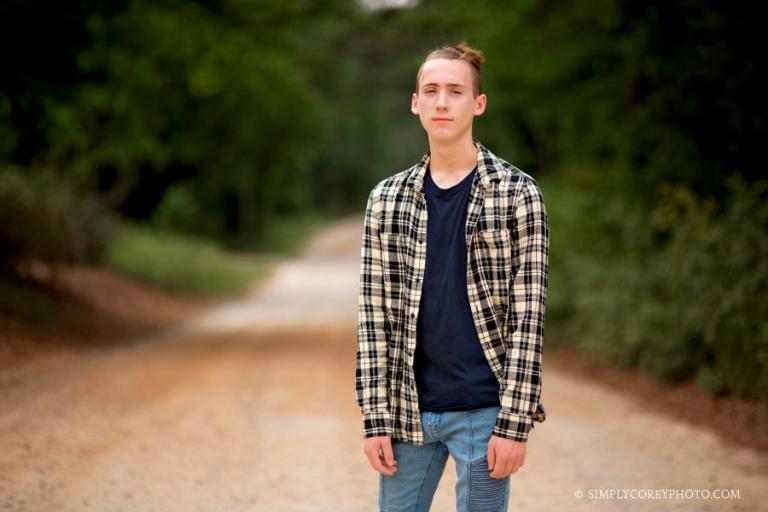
(497,467)
(502,468)
(491,457)
(377,463)
(379,466)
(389,456)
(507,469)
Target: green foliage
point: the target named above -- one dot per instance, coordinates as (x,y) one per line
(182,262)
(220,100)
(180,210)
(243,121)
(287,235)
(47,219)
(717,268)
(29,302)
(677,291)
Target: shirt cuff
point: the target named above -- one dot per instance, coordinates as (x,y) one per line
(510,425)
(377,423)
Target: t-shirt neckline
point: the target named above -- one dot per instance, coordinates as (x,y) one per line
(453,188)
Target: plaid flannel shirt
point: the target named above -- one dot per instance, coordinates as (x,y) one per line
(507,234)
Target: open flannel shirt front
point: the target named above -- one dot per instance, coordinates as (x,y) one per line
(507,234)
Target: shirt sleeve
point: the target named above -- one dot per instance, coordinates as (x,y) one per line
(371,362)
(520,389)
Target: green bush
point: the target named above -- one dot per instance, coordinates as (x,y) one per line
(677,291)
(29,302)
(716,268)
(180,210)
(46,219)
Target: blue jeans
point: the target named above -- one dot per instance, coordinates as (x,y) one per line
(462,434)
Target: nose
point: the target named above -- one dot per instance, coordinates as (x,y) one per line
(441,100)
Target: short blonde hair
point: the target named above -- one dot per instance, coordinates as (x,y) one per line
(458,51)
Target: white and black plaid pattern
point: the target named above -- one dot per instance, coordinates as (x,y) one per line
(507,235)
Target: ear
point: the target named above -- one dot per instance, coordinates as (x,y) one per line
(415,104)
(480,103)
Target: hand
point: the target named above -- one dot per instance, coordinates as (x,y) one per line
(386,465)
(505,456)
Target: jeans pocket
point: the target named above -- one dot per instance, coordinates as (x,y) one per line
(486,494)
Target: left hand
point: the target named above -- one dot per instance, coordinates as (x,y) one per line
(505,456)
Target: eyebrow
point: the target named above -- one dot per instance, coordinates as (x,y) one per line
(436,84)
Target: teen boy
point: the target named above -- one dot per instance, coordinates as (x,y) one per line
(453,284)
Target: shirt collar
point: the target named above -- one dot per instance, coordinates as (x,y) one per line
(487,168)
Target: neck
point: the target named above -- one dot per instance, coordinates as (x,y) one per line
(450,161)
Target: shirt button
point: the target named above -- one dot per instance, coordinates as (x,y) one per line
(421,240)
(413,315)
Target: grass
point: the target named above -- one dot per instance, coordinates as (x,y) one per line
(182,263)
(202,266)
(173,261)
(288,235)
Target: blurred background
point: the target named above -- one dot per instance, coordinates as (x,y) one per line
(185,143)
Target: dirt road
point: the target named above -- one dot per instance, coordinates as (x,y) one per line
(251,408)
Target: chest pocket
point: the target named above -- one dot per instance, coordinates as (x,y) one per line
(493,250)
(394,247)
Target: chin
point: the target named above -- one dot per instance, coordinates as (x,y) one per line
(444,135)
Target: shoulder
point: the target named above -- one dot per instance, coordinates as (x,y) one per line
(392,183)
(515,183)
(390,186)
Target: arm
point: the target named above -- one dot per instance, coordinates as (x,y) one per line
(371,362)
(521,386)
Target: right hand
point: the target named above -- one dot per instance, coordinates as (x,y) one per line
(386,465)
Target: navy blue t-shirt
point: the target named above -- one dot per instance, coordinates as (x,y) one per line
(451,370)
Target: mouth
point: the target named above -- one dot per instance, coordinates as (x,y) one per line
(441,119)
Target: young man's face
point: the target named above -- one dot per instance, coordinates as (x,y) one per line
(445,102)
